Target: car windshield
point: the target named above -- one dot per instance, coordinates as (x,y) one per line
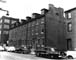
(49,49)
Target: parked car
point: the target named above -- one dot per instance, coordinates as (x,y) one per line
(22,50)
(32,51)
(2,48)
(70,54)
(10,48)
(47,52)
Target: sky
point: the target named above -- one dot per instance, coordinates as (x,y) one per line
(22,8)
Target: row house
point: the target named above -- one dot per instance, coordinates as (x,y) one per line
(5,23)
(47,28)
(70,16)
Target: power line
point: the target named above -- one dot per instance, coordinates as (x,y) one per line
(2,1)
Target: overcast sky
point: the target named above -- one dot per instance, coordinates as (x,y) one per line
(22,8)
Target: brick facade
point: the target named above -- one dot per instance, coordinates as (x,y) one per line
(46,29)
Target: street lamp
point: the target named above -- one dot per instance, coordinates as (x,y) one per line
(5,10)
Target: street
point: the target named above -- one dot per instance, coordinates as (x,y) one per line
(15,56)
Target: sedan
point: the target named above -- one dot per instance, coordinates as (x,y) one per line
(70,54)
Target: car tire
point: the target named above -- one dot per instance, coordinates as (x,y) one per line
(69,57)
(37,54)
(51,57)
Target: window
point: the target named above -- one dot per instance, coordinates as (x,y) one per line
(42,32)
(37,23)
(0,26)
(36,33)
(42,20)
(7,21)
(0,31)
(29,24)
(69,15)
(6,26)
(57,14)
(13,22)
(69,27)
(64,15)
(42,12)
(5,32)
(0,21)
(69,44)
(33,23)
(12,26)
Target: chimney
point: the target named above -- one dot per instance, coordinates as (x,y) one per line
(44,11)
(28,18)
(23,21)
(51,5)
(35,15)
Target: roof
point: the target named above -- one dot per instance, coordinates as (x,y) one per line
(34,19)
(70,10)
(5,17)
(44,9)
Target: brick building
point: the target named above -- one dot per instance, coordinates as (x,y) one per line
(47,28)
(71,28)
(5,23)
(17,34)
